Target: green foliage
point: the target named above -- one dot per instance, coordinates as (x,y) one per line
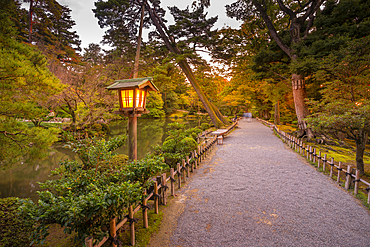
(155,106)
(26,84)
(14,231)
(142,170)
(205,126)
(18,142)
(193,29)
(345,104)
(94,151)
(85,196)
(345,89)
(179,143)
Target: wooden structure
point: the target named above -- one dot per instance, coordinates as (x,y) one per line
(132,101)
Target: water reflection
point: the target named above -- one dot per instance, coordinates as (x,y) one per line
(22,181)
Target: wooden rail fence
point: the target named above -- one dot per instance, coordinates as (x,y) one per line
(159,194)
(347,175)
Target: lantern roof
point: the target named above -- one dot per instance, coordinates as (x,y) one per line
(140,83)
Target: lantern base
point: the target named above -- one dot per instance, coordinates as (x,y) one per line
(132,113)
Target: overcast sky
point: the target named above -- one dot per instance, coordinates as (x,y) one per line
(89,31)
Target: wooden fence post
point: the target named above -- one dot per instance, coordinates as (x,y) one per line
(172,181)
(357,181)
(311,153)
(184,172)
(179,175)
(339,169)
(295,144)
(145,211)
(195,159)
(324,163)
(331,167)
(348,177)
(132,225)
(159,182)
(112,230)
(156,208)
(188,166)
(318,160)
(308,152)
(314,155)
(164,190)
(192,163)
(300,146)
(89,241)
(200,156)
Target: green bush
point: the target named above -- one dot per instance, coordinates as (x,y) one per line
(97,127)
(205,126)
(105,128)
(179,143)
(88,193)
(188,144)
(14,231)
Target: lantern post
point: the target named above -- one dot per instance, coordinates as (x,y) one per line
(132,95)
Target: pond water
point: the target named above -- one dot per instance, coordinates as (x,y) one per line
(21,181)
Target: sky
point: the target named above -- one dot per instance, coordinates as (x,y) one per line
(89,31)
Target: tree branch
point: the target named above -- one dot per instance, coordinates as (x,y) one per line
(278,75)
(286,9)
(272,29)
(9,135)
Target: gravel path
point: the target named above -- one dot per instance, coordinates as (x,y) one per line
(254,191)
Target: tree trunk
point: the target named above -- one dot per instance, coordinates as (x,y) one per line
(301,109)
(277,114)
(360,149)
(217,119)
(30,22)
(137,57)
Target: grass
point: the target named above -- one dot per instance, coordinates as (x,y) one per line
(363,198)
(142,235)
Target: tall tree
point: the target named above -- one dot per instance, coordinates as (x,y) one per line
(215,115)
(345,106)
(26,84)
(50,25)
(110,13)
(301,17)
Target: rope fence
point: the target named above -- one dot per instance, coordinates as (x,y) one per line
(336,170)
(159,193)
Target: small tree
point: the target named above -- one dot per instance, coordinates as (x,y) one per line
(346,95)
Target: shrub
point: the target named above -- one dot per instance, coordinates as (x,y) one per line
(88,194)
(14,231)
(179,143)
(205,126)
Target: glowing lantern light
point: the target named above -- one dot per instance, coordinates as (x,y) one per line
(132,94)
(132,101)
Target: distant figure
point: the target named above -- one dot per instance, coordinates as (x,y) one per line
(248,116)
(235,118)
